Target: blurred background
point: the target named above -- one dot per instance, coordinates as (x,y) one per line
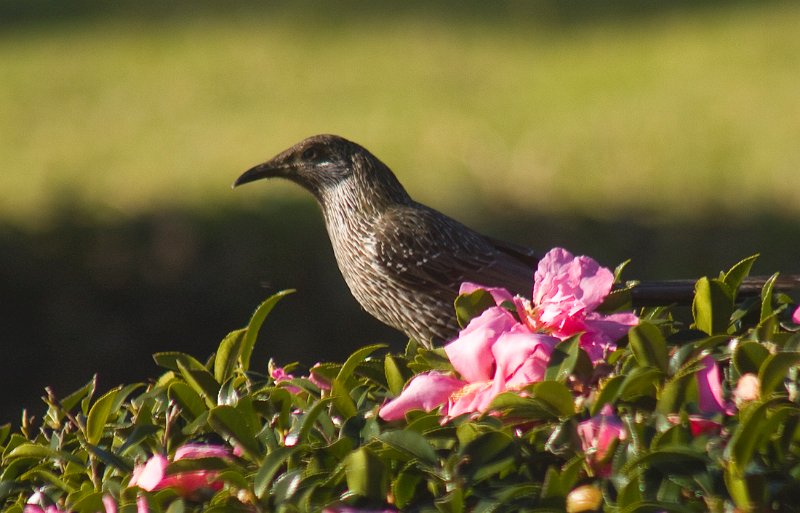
(668,133)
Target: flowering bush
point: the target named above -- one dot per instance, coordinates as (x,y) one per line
(564,401)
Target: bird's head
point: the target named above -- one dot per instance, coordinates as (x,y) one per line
(324,163)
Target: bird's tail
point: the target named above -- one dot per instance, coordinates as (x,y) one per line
(655,293)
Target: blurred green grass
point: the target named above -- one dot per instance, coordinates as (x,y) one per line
(691,112)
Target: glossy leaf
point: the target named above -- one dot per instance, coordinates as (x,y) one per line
(98,415)
(366,474)
(410,442)
(254,326)
(775,370)
(233,425)
(469,306)
(228,354)
(712,306)
(649,346)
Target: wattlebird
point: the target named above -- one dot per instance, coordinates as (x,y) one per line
(404,262)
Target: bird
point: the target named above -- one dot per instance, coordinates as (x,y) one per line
(403,261)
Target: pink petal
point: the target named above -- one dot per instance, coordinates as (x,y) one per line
(796,316)
(521,357)
(32,508)
(470,353)
(149,476)
(472,398)
(141,504)
(701,426)
(602,331)
(109,504)
(565,285)
(193,451)
(186,483)
(600,431)
(500,295)
(709,387)
(424,392)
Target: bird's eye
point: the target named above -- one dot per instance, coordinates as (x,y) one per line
(309,154)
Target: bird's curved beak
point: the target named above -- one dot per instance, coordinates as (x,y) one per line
(265,170)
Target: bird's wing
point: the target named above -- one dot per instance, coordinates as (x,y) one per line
(426,250)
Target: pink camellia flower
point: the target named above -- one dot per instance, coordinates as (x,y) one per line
(796,316)
(710,401)
(280,375)
(494,353)
(598,434)
(566,291)
(152,474)
(709,388)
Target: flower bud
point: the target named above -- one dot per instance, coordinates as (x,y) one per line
(584,498)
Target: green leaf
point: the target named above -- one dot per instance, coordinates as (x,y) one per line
(559,482)
(774,370)
(747,437)
(411,443)
(404,488)
(766,298)
(748,357)
(272,463)
(678,460)
(86,391)
(98,416)
(712,306)
(355,359)
(228,353)
(253,327)
(608,393)
(556,395)
(190,402)
(469,306)
(366,474)
(171,359)
(649,346)
(453,502)
(736,275)
(485,455)
(109,458)
(201,381)
(737,487)
(394,376)
(299,433)
(640,382)
(38,474)
(342,400)
(233,425)
(563,359)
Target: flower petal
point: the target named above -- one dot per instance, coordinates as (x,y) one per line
(424,392)
(796,316)
(565,285)
(709,387)
(500,295)
(149,476)
(193,451)
(472,398)
(521,358)
(470,353)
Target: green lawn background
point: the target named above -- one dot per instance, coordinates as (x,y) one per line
(686,108)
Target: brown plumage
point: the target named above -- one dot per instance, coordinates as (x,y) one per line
(403,261)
